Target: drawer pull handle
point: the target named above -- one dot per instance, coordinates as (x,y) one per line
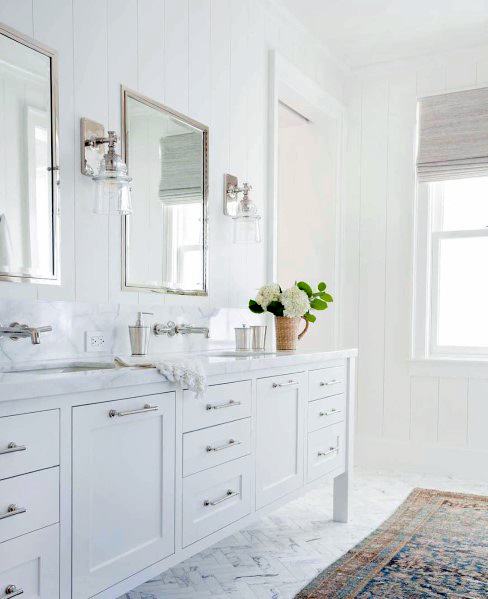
(219,406)
(11,591)
(322,454)
(12,510)
(290,383)
(331,382)
(230,443)
(330,412)
(230,493)
(12,448)
(146,408)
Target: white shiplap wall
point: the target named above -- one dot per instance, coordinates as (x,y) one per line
(409,414)
(205,58)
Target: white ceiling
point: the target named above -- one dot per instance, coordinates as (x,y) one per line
(361,32)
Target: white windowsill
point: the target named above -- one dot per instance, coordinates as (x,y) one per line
(455,366)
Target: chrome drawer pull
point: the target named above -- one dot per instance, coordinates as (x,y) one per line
(12,510)
(217,406)
(331,382)
(146,408)
(11,591)
(322,454)
(330,412)
(290,383)
(230,443)
(12,448)
(228,495)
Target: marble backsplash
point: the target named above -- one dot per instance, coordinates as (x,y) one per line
(70,321)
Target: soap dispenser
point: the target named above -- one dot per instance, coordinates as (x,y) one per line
(139,335)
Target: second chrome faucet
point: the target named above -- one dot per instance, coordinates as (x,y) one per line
(171,329)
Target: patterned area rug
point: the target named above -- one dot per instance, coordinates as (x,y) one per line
(434,545)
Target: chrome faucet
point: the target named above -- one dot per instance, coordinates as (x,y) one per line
(171,329)
(17,331)
(188,329)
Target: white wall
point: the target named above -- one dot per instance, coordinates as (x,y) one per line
(205,58)
(409,414)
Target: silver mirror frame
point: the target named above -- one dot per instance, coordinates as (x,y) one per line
(55,278)
(128,93)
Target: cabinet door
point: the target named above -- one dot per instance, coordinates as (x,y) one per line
(29,565)
(280,436)
(123,489)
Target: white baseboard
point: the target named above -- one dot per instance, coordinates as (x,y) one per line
(462,463)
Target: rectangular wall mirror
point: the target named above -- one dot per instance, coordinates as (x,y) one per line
(29,228)
(165,237)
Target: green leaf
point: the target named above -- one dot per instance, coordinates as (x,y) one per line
(276,308)
(318,304)
(326,297)
(322,286)
(255,307)
(305,287)
(309,317)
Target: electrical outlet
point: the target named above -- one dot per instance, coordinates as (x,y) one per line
(94,341)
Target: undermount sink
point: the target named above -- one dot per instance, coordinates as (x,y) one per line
(239,353)
(77,367)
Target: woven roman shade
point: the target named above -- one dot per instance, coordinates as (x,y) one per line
(181,169)
(453,136)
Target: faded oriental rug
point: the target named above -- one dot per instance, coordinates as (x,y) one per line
(434,545)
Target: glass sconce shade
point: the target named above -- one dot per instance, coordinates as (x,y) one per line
(112,189)
(247,229)
(246,222)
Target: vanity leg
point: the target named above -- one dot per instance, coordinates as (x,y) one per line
(341,497)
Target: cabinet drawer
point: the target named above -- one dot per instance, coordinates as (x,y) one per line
(215,445)
(326,382)
(30,564)
(222,403)
(326,411)
(28,502)
(215,498)
(28,442)
(275,384)
(325,451)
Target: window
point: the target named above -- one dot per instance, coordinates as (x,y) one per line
(452,268)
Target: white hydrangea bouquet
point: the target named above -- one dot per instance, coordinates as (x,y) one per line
(289,306)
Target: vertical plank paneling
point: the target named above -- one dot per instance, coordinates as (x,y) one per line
(374,169)
(453,411)
(199,79)
(478,414)
(398,252)
(256,150)
(91,101)
(425,409)
(53,25)
(150,44)
(18,15)
(219,225)
(176,54)
(122,63)
(239,77)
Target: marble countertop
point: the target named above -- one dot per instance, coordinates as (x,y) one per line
(42,380)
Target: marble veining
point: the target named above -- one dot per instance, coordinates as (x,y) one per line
(278,555)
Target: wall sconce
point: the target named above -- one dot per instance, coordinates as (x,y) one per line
(244,212)
(106,168)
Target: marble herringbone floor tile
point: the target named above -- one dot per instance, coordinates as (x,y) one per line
(275,557)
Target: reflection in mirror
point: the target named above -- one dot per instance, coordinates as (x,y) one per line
(28,198)
(165,236)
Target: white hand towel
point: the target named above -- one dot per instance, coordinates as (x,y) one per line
(186,372)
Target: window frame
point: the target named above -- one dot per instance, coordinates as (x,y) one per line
(428,237)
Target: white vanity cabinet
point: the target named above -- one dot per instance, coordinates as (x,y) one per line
(281,402)
(123,489)
(121,475)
